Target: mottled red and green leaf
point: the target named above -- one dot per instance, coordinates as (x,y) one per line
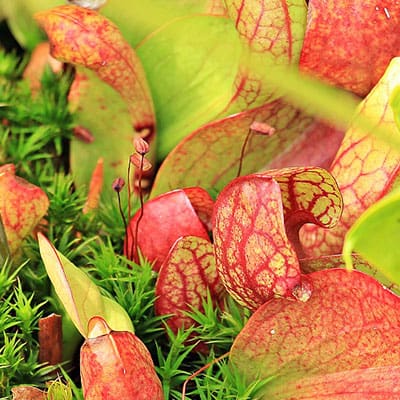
(22,206)
(342,343)
(185,278)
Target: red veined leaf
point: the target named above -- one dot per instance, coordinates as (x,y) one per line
(256,222)
(254,257)
(116,365)
(342,343)
(343,41)
(272,34)
(22,206)
(202,203)
(379,383)
(185,278)
(213,153)
(216,7)
(309,194)
(309,265)
(317,146)
(365,166)
(162,221)
(84,37)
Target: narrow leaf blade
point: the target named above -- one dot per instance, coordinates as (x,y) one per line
(78,294)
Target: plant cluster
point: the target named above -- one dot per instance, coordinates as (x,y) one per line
(208,219)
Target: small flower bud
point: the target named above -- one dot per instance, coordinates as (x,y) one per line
(140,162)
(141,146)
(118,184)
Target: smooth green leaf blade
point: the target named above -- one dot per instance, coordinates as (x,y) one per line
(19,14)
(190,64)
(79,295)
(102,111)
(376,237)
(116,316)
(137,18)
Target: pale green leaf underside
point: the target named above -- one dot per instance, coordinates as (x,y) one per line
(79,295)
(102,111)
(136,18)
(395,104)
(376,237)
(190,64)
